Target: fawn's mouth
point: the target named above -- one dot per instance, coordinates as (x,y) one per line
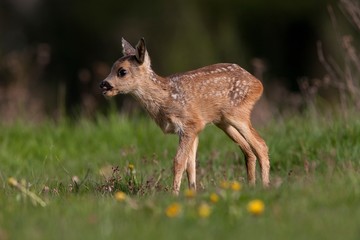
(109,93)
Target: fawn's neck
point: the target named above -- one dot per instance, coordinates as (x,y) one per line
(152,93)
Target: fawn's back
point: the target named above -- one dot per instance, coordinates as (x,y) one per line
(215,89)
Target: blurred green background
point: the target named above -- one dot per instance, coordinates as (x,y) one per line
(53,54)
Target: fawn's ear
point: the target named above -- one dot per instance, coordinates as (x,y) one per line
(127,48)
(140,51)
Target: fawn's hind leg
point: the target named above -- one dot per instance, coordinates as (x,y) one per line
(258,146)
(250,158)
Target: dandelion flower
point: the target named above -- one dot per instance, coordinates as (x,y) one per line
(214,198)
(204,210)
(224,184)
(173,210)
(256,207)
(131,166)
(120,196)
(12,182)
(235,186)
(190,193)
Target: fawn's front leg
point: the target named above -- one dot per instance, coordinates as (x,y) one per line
(185,158)
(191,165)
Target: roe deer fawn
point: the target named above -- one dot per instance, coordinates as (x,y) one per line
(223,94)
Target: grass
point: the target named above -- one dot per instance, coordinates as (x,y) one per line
(315,175)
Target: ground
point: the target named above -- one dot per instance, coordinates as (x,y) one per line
(110,178)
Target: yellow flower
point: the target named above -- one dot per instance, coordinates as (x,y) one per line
(131,166)
(224,184)
(173,210)
(120,196)
(204,210)
(256,207)
(214,198)
(13,182)
(235,186)
(190,193)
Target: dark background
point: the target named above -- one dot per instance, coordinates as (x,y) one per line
(53,54)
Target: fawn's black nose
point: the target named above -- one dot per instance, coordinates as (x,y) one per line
(105,85)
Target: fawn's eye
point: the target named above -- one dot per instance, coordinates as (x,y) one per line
(121,72)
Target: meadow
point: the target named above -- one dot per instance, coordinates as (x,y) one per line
(110,178)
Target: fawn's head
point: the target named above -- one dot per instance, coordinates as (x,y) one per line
(127,72)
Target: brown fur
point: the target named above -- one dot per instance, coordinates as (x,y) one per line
(223,94)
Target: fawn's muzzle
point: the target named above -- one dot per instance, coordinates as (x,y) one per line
(105,85)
